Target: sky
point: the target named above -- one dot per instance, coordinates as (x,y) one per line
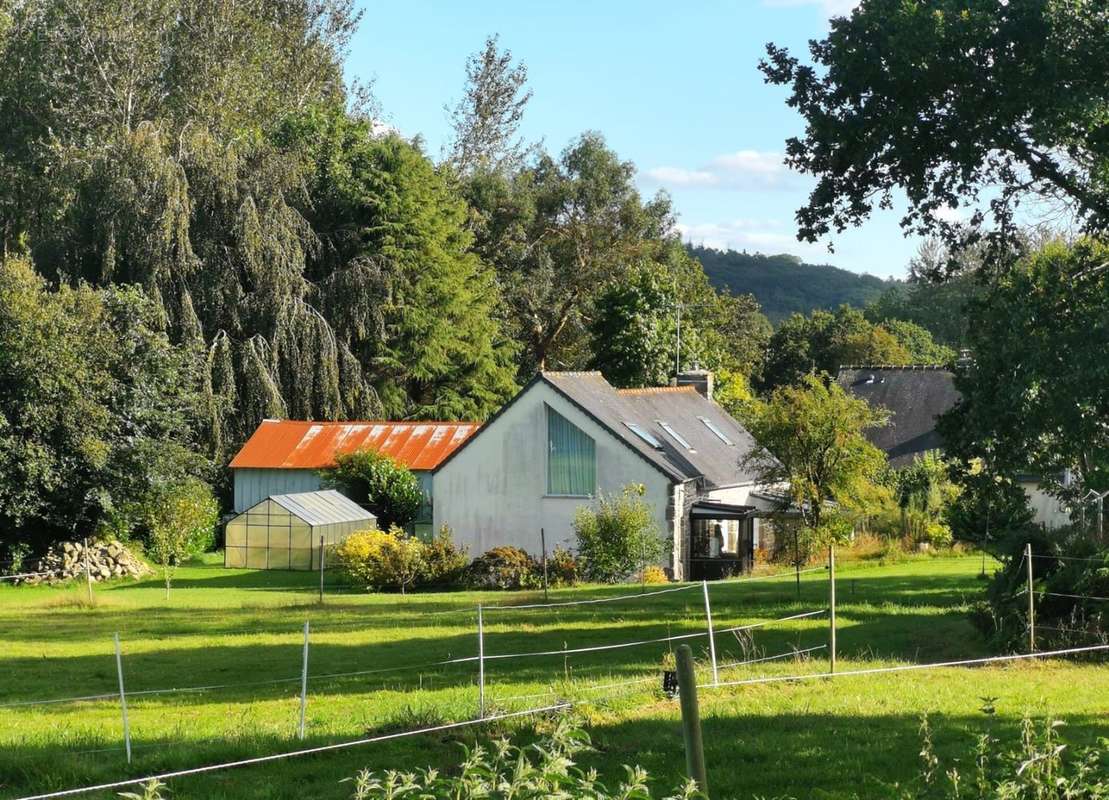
(673,87)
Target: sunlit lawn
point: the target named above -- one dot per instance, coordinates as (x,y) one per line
(842,738)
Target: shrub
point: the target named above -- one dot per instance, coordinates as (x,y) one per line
(562,568)
(502,568)
(444,562)
(655,574)
(619,538)
(381,560)
(379,483)
(182,523)
(499,769)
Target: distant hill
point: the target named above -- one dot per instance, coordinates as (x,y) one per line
(783,283)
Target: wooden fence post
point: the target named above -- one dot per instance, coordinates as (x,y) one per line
(691,718)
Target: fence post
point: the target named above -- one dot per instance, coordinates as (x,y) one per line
(543,544)
(1031,601)
(303,684)
(712,636)
(691,718)
(321,570)
(123,700)
(88,572)
(832,608)
(480,664)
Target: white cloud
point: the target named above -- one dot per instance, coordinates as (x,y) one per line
(763,235)
(949,214)
(741,170)
(831,8)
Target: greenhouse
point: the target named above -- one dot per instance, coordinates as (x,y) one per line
(284,531)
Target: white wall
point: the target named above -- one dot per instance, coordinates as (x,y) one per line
(493,491)
(252,486)
(1046,509)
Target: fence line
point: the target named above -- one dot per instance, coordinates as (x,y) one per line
(24,575)
(592,601)
(1072,596)
(910,667)
(774,658)
(290,754)
(1069,558)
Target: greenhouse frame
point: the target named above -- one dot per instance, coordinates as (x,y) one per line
(284,531)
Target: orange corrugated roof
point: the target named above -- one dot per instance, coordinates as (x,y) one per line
(296,444)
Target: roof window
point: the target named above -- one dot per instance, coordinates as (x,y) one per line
(719,433)
(677,437)
(644,434)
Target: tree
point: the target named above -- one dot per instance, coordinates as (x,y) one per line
(812,446)
(619,537)
(485,121)
(377,482)
(397,275)
(955,104)
(98,409)
(917,343)
(182,521)
(559,231)
(1036,397)
(632,332)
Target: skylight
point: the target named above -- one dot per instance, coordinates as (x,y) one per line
(677,437)
(719,433)
(644,434)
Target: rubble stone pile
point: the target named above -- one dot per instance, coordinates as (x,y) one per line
(106,560)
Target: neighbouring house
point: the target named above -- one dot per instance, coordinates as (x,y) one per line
(567,436)
(286,456)
(288,531)
(916,396)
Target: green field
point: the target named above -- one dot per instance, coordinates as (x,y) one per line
(841,738)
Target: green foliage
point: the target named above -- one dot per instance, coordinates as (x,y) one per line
(503,567)
(824,341)
(99,409)
(376,560)
(562,568)
(632,331)
(946,101)
(181,520)
(1034,398)
(784,285)
(377,482)
(924,493)
(989,509)
(1068,566)
(815,448)
(618,538)
(444,562)
(499,771)
(396,273)
(559,232)
(1041,767)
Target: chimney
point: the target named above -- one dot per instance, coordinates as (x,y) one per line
(699,379)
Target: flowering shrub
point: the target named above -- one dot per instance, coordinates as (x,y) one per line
(562,568)
(502,568)
(444,562)
(655,574)
(381,560)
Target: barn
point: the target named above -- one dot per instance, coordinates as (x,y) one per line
(286,456)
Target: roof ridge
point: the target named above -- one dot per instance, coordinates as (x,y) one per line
(571,372)
(372,421)
(658,389)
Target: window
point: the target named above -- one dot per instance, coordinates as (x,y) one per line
(677,437)
(571,458)
(719,433)
(644,434)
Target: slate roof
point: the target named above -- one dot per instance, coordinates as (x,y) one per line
(914,395)
(323,507)
(682,408)
(297,444)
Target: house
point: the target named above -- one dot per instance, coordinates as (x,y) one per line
(567,436)
(285,456)
(916,396)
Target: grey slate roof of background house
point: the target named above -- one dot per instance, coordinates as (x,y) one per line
(683,409)
(914,395)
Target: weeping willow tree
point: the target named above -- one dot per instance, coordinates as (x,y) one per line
(143,148)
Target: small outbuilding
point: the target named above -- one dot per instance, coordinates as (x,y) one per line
(284,530)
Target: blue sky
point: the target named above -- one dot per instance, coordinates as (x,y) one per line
(672,86)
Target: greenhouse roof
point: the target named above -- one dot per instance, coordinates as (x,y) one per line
(322,508)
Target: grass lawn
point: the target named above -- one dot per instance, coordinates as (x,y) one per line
(843,738)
